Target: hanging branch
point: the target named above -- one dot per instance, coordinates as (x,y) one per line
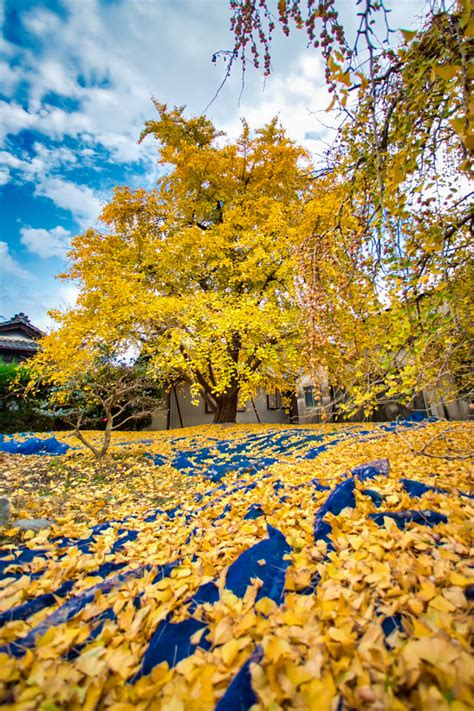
(450,455)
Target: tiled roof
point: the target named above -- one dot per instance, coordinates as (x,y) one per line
(22,322)
(20,344)
(17,318)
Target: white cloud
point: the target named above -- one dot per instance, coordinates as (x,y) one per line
(4,176)
(159,53)
(9,265)
(297,98)
(41,22)
(10,78)
(14,118)
(44,161)
(80,200)
(120,76)
(46,243)
(36,298)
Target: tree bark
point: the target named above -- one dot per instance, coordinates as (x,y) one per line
(86,442)
(226,407)
(107,435)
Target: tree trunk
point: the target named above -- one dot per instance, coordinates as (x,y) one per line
(227,407)
(86,442)
(107,436)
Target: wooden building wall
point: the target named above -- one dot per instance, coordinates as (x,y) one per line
(193,415)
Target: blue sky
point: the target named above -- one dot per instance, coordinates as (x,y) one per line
(76,77)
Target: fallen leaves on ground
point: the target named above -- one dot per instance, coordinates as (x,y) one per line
(319,647)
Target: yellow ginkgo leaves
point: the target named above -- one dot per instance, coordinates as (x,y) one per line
(373,617)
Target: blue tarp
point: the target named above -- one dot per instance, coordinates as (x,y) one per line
(375,496)
(171,643)
(68,610)
(240,695)
(379,467)
(416,488)
(222,457)
(402,518)
(265,560)
(254,511)
(34,445)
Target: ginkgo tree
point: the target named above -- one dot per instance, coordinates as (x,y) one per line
(199,274)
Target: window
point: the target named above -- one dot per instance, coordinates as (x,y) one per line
(309,396)
(274,400)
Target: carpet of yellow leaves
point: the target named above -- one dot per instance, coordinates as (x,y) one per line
(324,651)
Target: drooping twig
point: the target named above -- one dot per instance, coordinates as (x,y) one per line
(452,455)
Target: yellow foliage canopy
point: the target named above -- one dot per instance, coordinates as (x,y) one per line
(198,275)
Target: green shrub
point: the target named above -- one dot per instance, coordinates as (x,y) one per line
(19,413)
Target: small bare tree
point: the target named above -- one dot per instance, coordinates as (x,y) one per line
(111,392)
